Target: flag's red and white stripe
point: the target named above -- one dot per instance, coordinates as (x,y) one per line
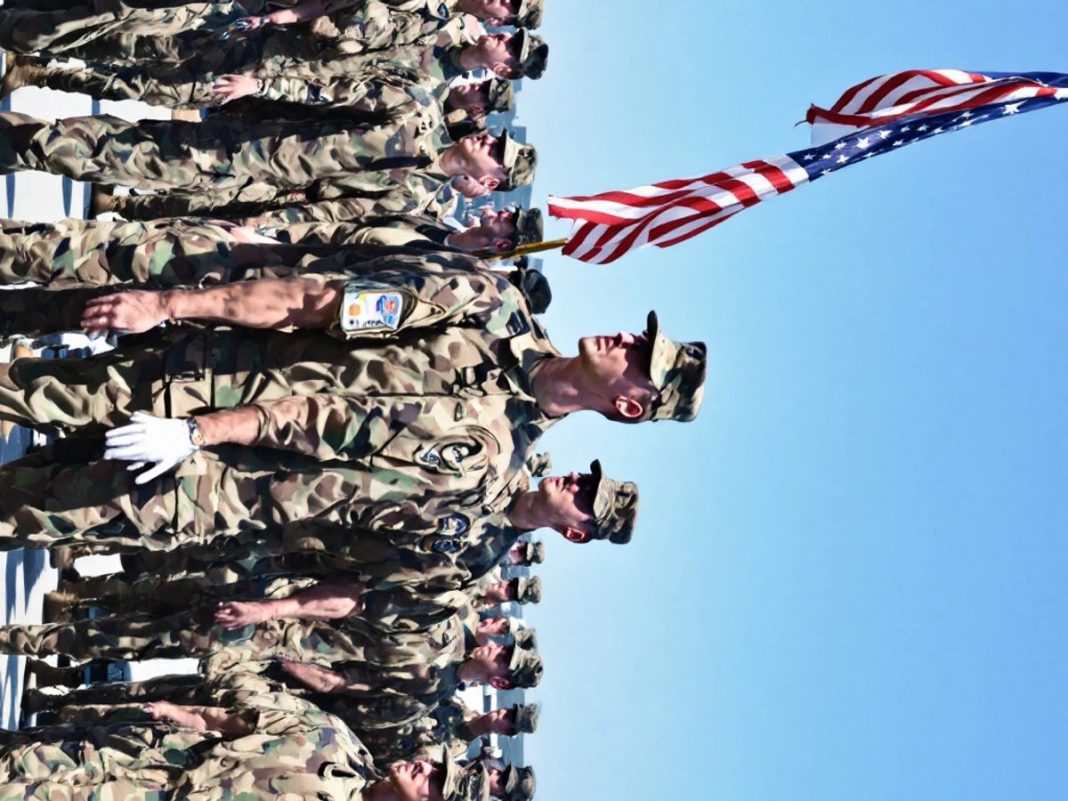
(664,214)
(613,223)
(888,98)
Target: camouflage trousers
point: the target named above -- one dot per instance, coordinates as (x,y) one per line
(160,253)
(78,22)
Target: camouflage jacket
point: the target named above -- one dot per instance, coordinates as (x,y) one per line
(387,230)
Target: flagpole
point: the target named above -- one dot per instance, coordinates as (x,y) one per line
(534,247)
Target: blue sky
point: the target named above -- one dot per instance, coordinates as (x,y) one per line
(848,580)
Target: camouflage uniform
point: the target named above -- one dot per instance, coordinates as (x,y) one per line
(306,754)
(324,201)
(160,253)
(238,164)
(331,77)
(418,631)
(185,251)
(183,33)
(27,30)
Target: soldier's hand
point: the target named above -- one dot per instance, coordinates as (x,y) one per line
(132,312)
(231,87)
(159,710)
(164,441)
(316,677)
(236,614)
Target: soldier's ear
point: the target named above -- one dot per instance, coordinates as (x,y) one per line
(502,244)
(628,408)
(576,534)
(500,683)
(489,182)
(502,70)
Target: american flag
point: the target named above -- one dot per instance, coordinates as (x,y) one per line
(873,117)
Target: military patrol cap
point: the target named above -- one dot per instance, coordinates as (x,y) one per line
(531,52)
(525,667)
(524,718)
(529,225)
(519,783)
(529,12)
(615,506)
(470,784)
(519,161)
(535,286)
(678,369)
(528,590)
(500,96)
(525,638)
(534,552)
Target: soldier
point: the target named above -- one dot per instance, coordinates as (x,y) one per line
(266,160)
(214,76)
(440,461)
(357,695)
(372,24)
(454,557)
(334,627)
(196,252)
(256,750)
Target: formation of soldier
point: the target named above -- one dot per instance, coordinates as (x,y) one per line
(314,446)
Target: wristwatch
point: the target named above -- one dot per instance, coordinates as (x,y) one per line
(196,436)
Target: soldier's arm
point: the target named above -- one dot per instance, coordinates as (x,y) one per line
(298,302)
(325,601)
(368,96)
(321,679)
(200,718)
(379,298)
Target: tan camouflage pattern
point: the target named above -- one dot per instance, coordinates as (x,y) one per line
(296,754)
(163,253)
(27,30)
(249,163)
(369,26)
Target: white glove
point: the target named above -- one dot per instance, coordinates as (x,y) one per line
(147,438)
